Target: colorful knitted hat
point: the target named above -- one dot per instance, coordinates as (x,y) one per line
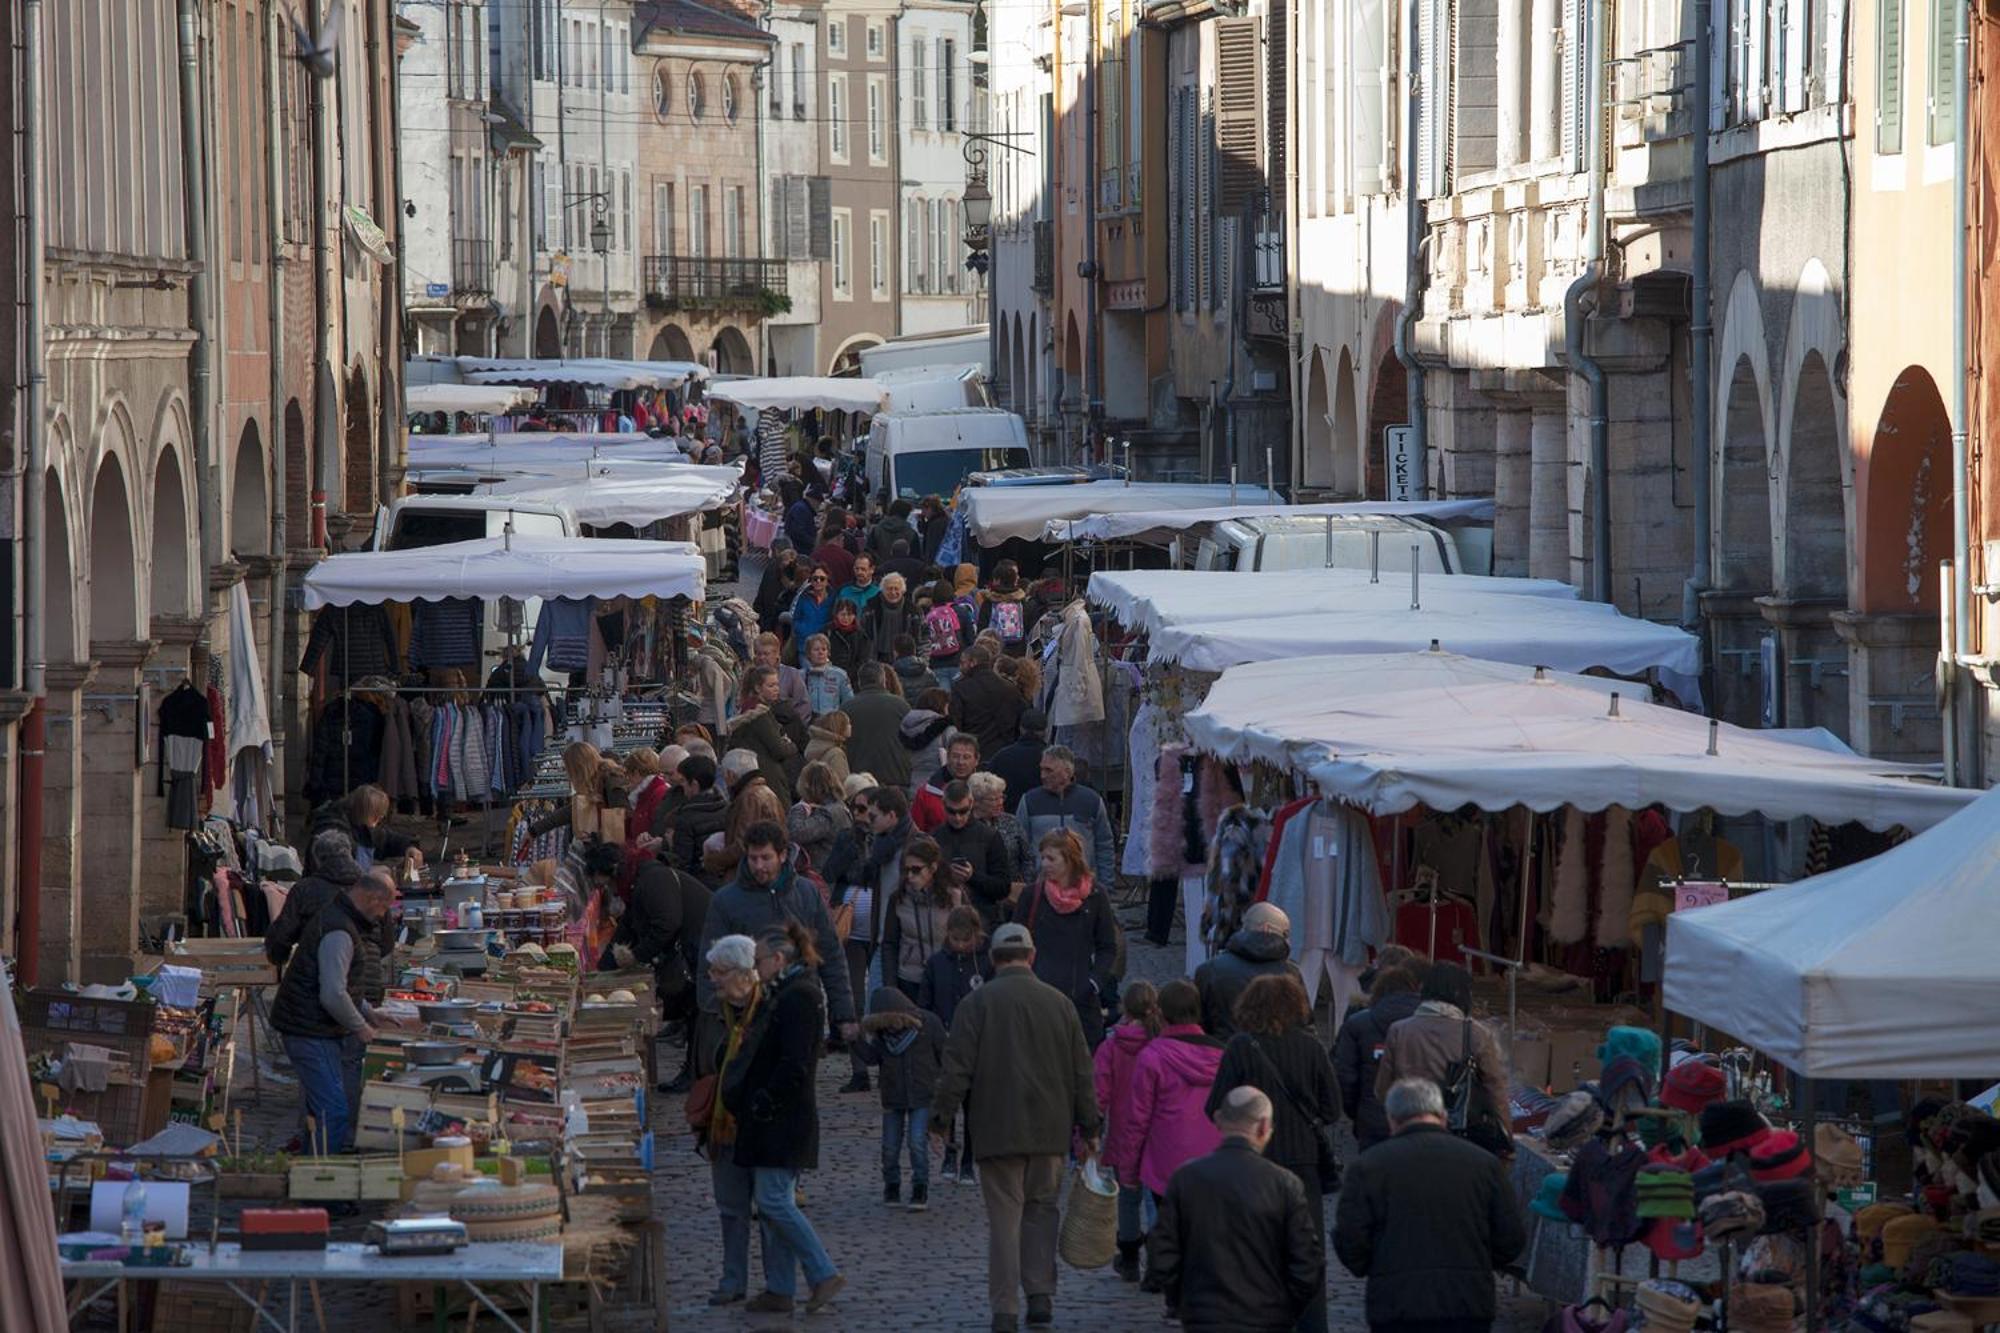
(1901,1235)
(1664,1191)
(1576,1117)
(1692,1085)
(1669,1306)
(1779,1155)
(1836,1157)
(1673,1240)
(1641,1044)
(1731,1214)
(1547,1195)
(1731,1126)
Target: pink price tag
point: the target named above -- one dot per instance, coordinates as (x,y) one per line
(1700,893)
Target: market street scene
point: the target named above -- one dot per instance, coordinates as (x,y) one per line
(1287,666)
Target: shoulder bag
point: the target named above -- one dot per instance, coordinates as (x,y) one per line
(1324,1147)
(1469,1110)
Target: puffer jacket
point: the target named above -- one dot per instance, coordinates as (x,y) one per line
(907,1044)
(1169,1123)
(1356,1053)
(914,931)
(1113,1062)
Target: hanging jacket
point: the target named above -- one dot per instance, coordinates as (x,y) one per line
(562,635)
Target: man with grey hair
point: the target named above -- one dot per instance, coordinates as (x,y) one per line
(334,868)
(1236,1244)
(735,767)
(1063,802)
(1262,948)
(1426,1217)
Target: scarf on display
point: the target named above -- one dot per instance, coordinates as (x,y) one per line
(1065,899)
(1189,796)
(722,1125)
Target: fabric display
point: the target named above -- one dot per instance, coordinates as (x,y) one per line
(1664,1191)
(1731,1215)
(345,749)
(445,634)
(562,635)
(1235,872)
(1601,1194)
(1761,1307)
(1190,793)
(1548,1197)
(1672,1240)
(1457,928)
(1320,868)
(352,642)
(1456,848)
(182,755)
(1901,1236)
(1695,853)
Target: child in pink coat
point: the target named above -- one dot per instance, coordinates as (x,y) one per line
(1116,1056)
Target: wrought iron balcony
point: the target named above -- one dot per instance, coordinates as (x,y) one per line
(682,282)
(472,267)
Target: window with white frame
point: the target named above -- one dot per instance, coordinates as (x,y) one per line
(1941,106)
(947,83)
(949,268)
(842,259)
(875,51)
(878,132)
(912,212)
(798,80)
(836,117)
(628,242)
(732,221)
(663,217)
(836,37)
(919,84)
(777,81)
(593,52)
(507,213)
(698,221)
(878,254)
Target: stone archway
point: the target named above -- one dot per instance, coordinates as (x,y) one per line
(298,477)
(731,353)
(1907,512)
(1743,558)
(173,545)
(1388,405)
(847,360)
(1018,394)
(59,584)
(548,336)
(108,781)
(249,497)
(1316,462)
(114,584)
(360,441)
(1815,546)
(671,344)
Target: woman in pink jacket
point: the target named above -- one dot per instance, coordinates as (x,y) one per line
(1116,1055)
(1167,1119)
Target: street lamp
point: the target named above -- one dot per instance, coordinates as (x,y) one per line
(600,241)
(978,203)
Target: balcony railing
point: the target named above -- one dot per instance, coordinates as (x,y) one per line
(472,267)
(681,282)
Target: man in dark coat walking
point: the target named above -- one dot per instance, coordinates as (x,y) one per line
(1427,1217)
(1017,1064)
(876,713)
(1236,1244)
(984,702)
(1357,1051)
(1262,948)
(976,856)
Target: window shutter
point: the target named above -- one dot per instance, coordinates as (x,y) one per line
(1718,70)
(1433,42)
(1276,86)
(1946,15)
(798,219)
(1792,62)
(1239,129)
(1831,56)
(1201,224)
(780,239)
(1889,77)
(1575,82)
(1228,236)
(820,231)
(1369,83)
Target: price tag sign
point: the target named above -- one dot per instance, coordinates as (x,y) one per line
(1853,1198)
(1699,893)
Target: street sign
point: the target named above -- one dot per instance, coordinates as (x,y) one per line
(1400,449)
(434,290)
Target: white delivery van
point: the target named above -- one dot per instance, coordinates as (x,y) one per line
(1346,541)
(414,521)
(914,454)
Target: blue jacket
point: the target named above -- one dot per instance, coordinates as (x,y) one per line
(1041,812)
(742,908)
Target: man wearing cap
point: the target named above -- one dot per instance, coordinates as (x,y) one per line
(1017,1065)
(1262,948)
(1426,1218)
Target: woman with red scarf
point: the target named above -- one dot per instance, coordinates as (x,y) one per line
(1075,930)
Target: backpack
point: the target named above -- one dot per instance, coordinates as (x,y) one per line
(942,624)
(1010,622)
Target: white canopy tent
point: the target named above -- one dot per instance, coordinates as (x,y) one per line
(489,399)
(520,567)
(638,494)
(1149,599)
(595,371)
(1547,744)
(994,514)
(1880,970)
(528,451)
(789,392)
(1163,522)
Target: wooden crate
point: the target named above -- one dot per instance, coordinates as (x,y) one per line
(381,1177)
(326,1179)
(375,1129)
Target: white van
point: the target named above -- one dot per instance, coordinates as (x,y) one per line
(414,521)
(1346,541)
(914,454)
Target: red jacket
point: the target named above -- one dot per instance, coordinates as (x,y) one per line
(1114,1060)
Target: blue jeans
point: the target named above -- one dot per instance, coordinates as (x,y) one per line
(321,1063)
(1136,1213)
(790,1243)
(733,1185)
(895,1124)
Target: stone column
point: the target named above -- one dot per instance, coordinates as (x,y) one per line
(14,705)
(1512,488)
(109,937)
(1815,662)
(1548,489)
(1890,698)
(62,822)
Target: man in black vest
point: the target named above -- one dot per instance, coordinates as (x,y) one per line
(322,1011)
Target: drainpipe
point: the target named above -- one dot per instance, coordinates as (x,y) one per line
(1701,331)
(326,404)
(34,538)
(389,394)
(1413,277)
(194,206)
(1093,364)
(276,209)
(1960,647)
(1582,292)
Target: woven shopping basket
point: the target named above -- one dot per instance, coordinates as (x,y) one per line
(1089,1234)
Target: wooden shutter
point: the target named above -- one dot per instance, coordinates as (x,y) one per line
(1433,41)
(1239,126)
(1889,76)
(819,193)
(1942,103)
(1276,86)
(1369,83)
(1202,223)
(1793,62)
(798,219)
(781,247)
(1576,83)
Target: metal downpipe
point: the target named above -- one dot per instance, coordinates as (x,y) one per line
(34,500)
(1582,290)
(1701,330)
(1413,276)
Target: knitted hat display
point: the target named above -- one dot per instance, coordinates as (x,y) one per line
(1732,1126)
(1789,1205)
(1692,1085)
(1641,1044)
(1900,1235)
(1868,1222)
(1664,1191)
(1672,1240)
(1837,1158)
(1545,1202)
(1669,1306)
(1731,1214)
(1779,1155)
(1761,1307)
(1576,1118)
(1626,1085)
(1970,1275)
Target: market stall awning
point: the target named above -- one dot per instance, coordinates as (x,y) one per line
(800,392)
(1148,599)
(529,451)
(638,494)
(595,371)
(1527,631)
(1149,522)
(519,567)
(1884,969)
(994,514)
(491,399)
(1548,744)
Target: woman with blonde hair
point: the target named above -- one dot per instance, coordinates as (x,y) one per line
(830,733)
(820,814)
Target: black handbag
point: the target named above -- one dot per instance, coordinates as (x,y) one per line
(1324,1147)
(1469,1112)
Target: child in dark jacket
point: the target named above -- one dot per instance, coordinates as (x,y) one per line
(907,1043)
(950,975)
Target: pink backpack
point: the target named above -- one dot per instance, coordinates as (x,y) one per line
(942,623)
(1010,622)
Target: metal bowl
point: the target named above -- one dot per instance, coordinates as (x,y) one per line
(433,1052)
(461,939)
(446,1011)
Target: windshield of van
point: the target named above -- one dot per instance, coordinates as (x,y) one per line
(940,473)
(438,527)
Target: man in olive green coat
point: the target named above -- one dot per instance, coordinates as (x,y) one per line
(1018,1066)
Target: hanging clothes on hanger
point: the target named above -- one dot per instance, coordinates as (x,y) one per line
(355,641)
(1323,873)
(562,635)
(183,754)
